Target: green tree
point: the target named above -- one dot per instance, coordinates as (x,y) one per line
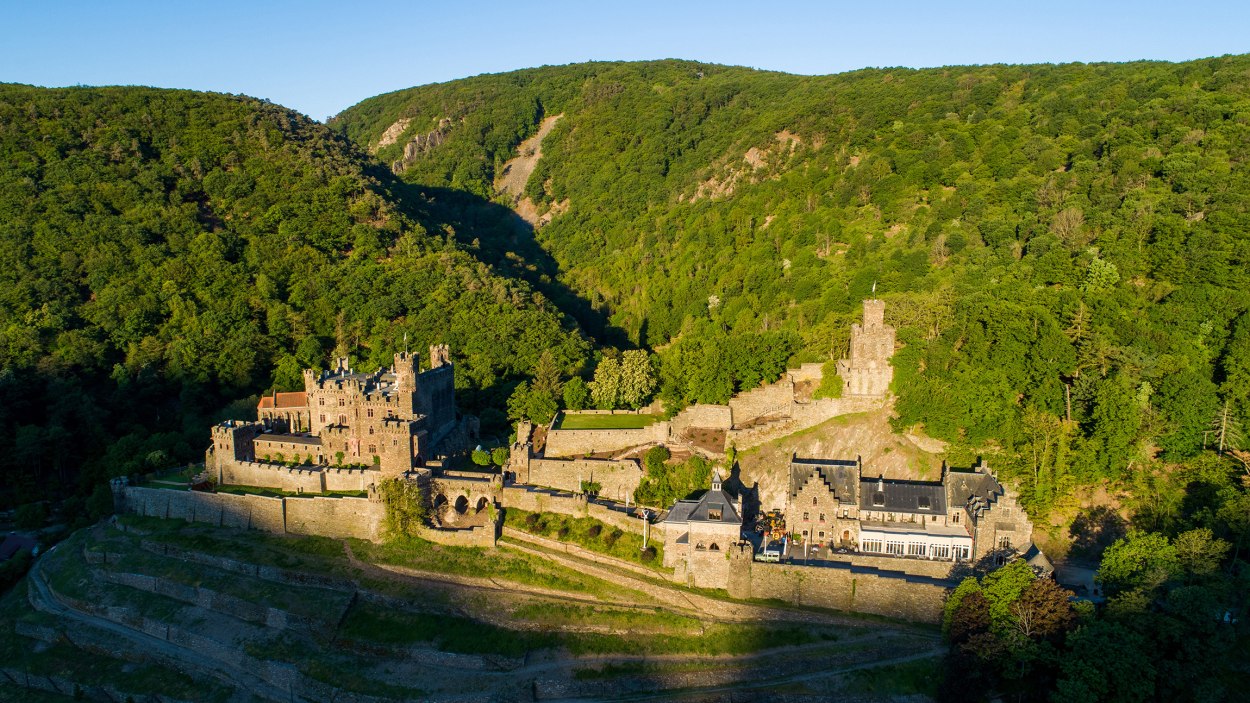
(1141,560)
(637,379)
(605,389)
(576,394)
(406,509)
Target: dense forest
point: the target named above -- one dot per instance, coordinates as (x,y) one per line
(1064,249)
(168,255)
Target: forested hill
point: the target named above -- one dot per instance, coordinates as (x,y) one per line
(1065,249)
(166,252)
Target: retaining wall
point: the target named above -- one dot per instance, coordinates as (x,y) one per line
(617,478)
(773,399)
(715,417)
(572,443)
(314,515)
(858,589)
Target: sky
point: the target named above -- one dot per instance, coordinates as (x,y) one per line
(321,57)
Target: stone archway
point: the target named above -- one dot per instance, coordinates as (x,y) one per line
(461,505)
(481,504)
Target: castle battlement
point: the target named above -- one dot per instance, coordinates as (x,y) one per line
(867,371)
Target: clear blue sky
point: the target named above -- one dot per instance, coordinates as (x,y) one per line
(321,57)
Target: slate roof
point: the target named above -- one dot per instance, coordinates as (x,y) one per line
(840,474)
(963,486)
(701,510)
(895,496)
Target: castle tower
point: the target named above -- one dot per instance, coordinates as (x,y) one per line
(310,381)
(440,355)
(405,372)
(867,371)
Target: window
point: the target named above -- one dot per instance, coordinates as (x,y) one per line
(342,419)
(872,545)
(807,516)
(342,402)
(878,498)
(715,511)
(1004,543)
(714,547)
(846,512)
(923,502)
(370,411)
(961,553)
(321,401)
(822,517)
(373,449)
(822,534)
(940,551)
(955,518)
(813,500)
(915,549)
(700,546)
(894,548)
(395,442)
(804,533)
(323,417)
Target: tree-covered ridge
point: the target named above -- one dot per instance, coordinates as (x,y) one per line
(165,252)
(1063,248)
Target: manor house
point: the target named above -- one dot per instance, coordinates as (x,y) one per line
(965,515)
(387,422)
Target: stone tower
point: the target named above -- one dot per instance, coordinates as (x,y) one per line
(868,372)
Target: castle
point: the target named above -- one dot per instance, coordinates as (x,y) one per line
(345,429)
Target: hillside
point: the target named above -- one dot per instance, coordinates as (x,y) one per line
(167,252)
(1063,248)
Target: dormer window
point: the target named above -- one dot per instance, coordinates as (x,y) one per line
(878,498)
(923,503)
(715,511)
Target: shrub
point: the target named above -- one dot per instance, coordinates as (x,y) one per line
(563,532)
(481,457)
(531,520)
(612,537)
(594,531)
(30,516)
(648,554)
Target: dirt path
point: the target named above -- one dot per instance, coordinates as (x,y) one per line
(44,599)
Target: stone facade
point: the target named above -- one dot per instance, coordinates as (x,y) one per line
(867,371)
(390,421)
(966,515)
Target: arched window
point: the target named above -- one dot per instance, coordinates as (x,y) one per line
(714,548)
(813,500)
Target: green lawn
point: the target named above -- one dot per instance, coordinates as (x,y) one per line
(605,422)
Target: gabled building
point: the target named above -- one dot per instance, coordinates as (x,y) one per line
(965,515)
(698,534)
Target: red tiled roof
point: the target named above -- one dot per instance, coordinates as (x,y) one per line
(296,399)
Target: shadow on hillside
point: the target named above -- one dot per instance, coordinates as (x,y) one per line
(506,241)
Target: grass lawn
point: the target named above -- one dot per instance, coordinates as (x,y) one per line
(588,533)
(605,422)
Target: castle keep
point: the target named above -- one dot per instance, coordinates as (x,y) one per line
(345,429)
(868,371)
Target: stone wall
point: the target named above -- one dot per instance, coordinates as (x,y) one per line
(808,372)
(298,479)
(538,501)
(715,417)
(617,479)
(773,399)
(360,518)
(573,443)
(801,417)
(842,587)
(318,515)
